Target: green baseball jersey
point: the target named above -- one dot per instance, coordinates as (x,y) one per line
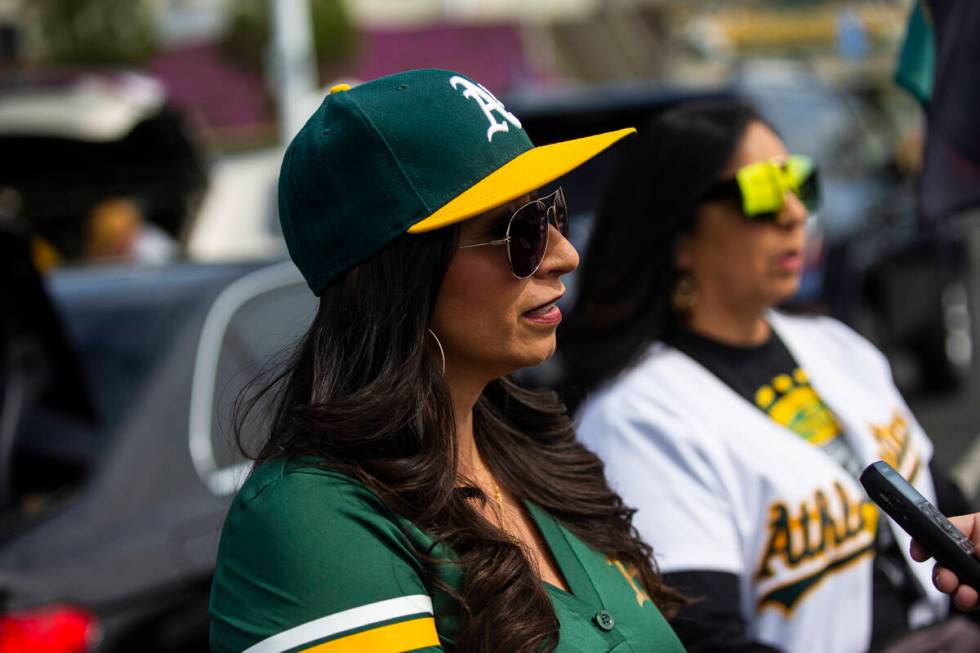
(311,560)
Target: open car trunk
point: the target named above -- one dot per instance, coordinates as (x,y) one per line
(70,143)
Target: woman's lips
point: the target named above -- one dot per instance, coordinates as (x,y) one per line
(790,262)
(549,314)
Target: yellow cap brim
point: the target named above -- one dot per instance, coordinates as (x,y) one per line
(521,175)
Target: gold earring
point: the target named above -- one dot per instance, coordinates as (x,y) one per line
(684,295)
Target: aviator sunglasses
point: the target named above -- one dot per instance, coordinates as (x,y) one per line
(526,236)
(760,188)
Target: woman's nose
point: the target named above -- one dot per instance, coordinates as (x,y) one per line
(560,257)
(793,211)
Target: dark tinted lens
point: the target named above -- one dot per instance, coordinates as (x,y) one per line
(764,216)
(727,190)
(528,238)
(561,212)
(809,192)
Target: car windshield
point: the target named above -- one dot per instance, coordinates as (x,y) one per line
(121,336)
(119,343)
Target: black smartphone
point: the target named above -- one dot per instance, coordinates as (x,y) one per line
(920,519)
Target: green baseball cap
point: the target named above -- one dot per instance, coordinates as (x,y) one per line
(407,153)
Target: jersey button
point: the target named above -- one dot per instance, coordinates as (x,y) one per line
(604,620)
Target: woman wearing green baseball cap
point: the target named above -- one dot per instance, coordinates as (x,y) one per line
(410,496)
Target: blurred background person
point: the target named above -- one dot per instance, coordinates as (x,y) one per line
(116,231)
(737,431)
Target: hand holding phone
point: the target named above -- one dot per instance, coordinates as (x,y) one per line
(964,596)
(936,535)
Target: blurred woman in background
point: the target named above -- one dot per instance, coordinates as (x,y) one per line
(736,430)
(410,497)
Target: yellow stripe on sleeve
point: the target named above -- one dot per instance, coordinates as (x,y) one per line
(393,638)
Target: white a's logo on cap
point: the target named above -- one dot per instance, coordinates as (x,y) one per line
(488,103)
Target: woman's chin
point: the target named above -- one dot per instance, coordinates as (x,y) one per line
(540,354)
(785,291)
(530,357)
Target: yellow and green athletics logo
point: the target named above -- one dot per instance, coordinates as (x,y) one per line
(894,446)
(826,535)
(790,400)
(632,576)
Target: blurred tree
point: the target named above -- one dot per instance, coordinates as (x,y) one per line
(97,31)
(248,33)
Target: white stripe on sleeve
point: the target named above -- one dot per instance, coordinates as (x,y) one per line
(339,622)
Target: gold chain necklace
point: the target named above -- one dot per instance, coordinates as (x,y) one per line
(498,495)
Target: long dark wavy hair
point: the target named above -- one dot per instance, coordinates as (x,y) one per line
(364,392)
(628,273)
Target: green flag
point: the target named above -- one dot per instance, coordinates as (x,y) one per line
(917,60)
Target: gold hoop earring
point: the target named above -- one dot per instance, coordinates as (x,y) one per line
(442,353)
(684,296)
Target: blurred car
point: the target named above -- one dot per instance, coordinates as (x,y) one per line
(117,458)
(109,534)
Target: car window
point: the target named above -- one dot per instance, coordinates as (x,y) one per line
(121,339)
(120,343)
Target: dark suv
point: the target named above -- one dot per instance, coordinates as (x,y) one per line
(115,504)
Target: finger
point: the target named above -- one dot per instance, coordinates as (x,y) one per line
(970,525)
(919,554)
(944,580)
(965,598)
